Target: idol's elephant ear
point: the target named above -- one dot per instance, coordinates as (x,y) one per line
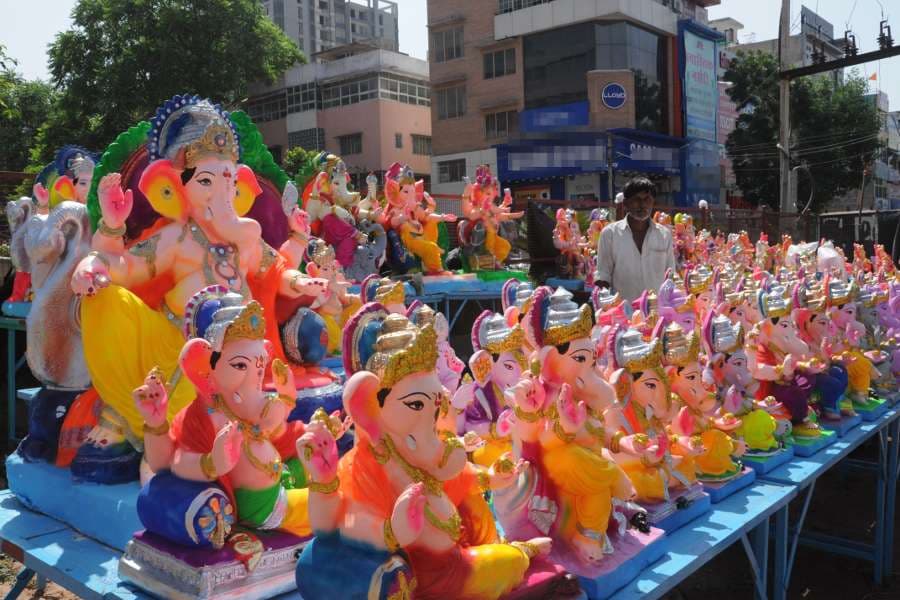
(18,213)
(361,403)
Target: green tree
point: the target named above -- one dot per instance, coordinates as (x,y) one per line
(301,165)
(834,131)
(27,107)
(122,58)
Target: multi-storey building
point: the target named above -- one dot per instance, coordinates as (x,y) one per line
(318,25)
(358,97)
(556,95)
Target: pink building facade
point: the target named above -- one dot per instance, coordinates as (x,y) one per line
(370,106)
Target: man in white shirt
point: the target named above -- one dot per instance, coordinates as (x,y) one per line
(634,254)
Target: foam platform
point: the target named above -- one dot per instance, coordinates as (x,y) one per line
(806,447)
(112,516)
(765,464)
(842,427)
(17,310)
(669,517)
(174,572)
(634,552)
(873,409)
(718,491)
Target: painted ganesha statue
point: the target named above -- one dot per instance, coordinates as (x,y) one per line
(480,232)
(403,513)
(228,460)
(174,221)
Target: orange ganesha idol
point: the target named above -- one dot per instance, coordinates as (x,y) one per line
(403,514)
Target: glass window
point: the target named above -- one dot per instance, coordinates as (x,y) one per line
(421,144)
(350,144)
(500,124)
(500,63)
(555,64)
(398,140)
(451,102)
(278,17)
(450,171)
(447,44)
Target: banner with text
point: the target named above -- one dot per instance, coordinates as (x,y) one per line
(701,90)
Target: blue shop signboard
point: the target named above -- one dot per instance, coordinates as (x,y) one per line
(555,118)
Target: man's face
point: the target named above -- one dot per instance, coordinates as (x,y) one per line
(639,206)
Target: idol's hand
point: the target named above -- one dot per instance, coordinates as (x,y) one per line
(115,205)
(151,399)
(227,448)
(42,195)
(90,276)
(318,452)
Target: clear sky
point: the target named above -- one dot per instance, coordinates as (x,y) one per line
(27,27)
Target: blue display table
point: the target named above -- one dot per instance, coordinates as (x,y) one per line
(743,516)
(803,474)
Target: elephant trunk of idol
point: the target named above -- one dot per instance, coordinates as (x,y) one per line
(219,217)
(55,246)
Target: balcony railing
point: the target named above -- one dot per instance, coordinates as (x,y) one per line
(508,6)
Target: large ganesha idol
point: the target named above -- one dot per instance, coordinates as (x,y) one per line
(411,221)
(480,231)
(49,236)
(403,514)
(228,459)
(173,222)
(571,490)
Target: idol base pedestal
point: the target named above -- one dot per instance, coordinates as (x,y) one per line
(766,464)
(842,427)
(634,552)
(683,506)
(718,491)
(806,447)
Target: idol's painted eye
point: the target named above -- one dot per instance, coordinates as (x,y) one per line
(239,365)
(415,405)
(650,385)
(205,181)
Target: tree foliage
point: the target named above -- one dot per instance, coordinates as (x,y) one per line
(300,164)
(24,107)
(834,131)
(122,58)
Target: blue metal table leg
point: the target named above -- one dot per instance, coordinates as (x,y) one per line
(891,496)
(779,573)
(792,554)
(22,580)
(10,387)
(757,550)
(881,482)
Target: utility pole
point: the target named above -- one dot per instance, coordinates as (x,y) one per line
(784,131)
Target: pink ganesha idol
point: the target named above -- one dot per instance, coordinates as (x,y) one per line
(702,436)
(572,490)
(638,427)
(480,232)
(403,513)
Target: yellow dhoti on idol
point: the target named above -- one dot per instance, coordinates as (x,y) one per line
(859,372)
(428,252)
(495,244)
(123,340)
(652,482)
(585,481)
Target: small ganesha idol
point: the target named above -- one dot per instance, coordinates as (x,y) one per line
(228,458)
(496,366)
(728,365)
(403,514)
(571,489)
(638,430)
(701,436)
